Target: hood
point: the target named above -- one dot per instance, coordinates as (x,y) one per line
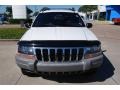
(58,33)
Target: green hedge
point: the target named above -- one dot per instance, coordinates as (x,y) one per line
(101,19)
(11,33)
(17,21)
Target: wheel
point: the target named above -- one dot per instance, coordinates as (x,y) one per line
(116,23)
(28,72)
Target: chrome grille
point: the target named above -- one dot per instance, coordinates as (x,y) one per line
(59,54)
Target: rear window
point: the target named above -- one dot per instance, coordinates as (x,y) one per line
(58,19)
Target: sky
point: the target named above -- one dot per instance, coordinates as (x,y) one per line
(38,7)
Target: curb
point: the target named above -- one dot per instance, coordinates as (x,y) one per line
(9,39)
(101,22)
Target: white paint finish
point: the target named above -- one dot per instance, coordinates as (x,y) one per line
(102,8)
(68,11)
(19,11)
(90,35)
(94,11)
(58,33)
(83,15)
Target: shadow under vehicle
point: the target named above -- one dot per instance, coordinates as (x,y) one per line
(104,72)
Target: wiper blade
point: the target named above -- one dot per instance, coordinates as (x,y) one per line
(49,25)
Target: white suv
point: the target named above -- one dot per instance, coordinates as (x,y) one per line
(59,41)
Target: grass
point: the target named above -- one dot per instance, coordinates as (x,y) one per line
(11,33)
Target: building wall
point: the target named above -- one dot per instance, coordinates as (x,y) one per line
(102,8)
(112,11)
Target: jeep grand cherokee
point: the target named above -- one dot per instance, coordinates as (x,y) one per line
(59,41)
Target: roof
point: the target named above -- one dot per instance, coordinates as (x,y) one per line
(69,11)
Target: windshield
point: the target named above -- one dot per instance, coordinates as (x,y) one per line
(58,19)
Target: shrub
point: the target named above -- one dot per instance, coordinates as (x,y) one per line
(101,19)
(11,33)
(17,21)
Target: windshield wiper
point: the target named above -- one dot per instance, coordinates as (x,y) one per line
(73,25)
(47,25)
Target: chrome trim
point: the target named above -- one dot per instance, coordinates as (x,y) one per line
(55,55)
(63,52)
(77,54)
(41,54)
(49,54)
(70,54)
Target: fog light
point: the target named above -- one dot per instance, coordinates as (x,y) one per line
(26,56)
(87,56)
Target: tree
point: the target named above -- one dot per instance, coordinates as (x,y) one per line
(73,9)
(87,8)
(45,8)
(29,11)
(9,11)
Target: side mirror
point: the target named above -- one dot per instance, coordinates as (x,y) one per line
(27,25)
(89,25)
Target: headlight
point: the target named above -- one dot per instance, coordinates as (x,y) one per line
(91,52)
(25,50)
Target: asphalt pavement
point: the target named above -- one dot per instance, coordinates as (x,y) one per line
(108,74)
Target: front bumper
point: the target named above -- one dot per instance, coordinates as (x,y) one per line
(82,65)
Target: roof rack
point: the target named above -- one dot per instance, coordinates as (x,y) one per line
(71,9)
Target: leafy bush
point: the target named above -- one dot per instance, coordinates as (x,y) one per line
(101,19)
(11,33)
(17,21)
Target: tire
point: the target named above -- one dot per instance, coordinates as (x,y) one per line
(28,72)
(116,23)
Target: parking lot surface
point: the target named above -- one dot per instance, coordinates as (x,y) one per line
(109,73)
